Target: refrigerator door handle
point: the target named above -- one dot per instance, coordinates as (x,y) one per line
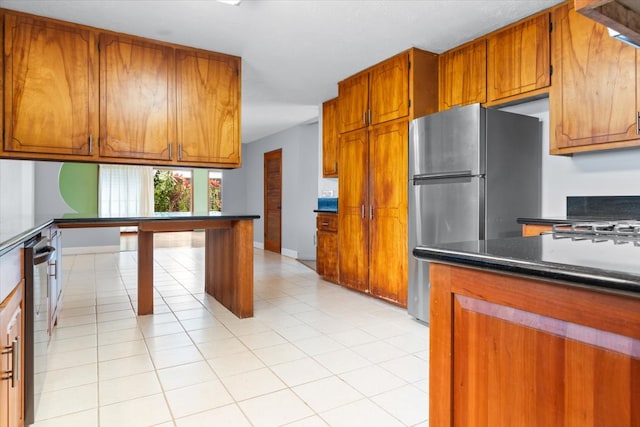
(443,175)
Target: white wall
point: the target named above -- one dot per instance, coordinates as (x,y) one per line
(599,173)
(16,196)
(49,203)
(243,189)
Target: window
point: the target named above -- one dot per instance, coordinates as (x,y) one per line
(215,191)
(172,190)
(125,191)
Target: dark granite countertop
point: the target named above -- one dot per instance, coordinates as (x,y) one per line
(329,211)
(606,265)
(568,220)
(15,231)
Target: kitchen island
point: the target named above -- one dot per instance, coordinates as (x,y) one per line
(228,250)
(540,331)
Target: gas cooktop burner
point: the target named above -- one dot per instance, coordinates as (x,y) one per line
(623,231)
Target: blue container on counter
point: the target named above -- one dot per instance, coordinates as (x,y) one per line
(328,204)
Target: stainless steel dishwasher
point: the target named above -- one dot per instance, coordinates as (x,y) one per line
(37,256)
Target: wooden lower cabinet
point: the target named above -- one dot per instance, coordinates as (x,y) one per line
(327,246)
(372,211)
(514,351)
(11,360)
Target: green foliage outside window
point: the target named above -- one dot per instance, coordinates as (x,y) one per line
(171,192)
(215,199)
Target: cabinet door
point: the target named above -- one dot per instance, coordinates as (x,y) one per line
(137,99)
(330,139)
(518,59)
(353,205)
(353,102)
(50,87)
(327,256)
(388,170)
(208,107)
(11,389)
(594,97)
(463,75)
(389,88)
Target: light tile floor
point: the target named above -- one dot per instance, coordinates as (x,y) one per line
(314,354)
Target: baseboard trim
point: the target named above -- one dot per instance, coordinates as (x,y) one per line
(81,250)
(258,245)
(289,253)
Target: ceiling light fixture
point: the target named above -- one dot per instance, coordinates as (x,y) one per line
(231,2)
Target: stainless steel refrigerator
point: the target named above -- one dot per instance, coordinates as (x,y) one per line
(472,173)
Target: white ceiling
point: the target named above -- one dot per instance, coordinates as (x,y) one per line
(294,51)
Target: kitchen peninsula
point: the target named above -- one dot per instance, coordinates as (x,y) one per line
(228,251)
(538,330)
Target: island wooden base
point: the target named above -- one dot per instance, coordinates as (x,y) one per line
(228,263)
(228,257)
(512,351)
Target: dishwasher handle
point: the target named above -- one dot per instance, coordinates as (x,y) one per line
(43,255)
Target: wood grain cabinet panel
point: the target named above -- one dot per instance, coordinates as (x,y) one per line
(137,99)
(463,75)
(353,102)
(11,360)
(353,205)
(388,171)
(330,138)
(502,355)
(594,99)
(51,87)
(389,89)
(327,249)
(518,59)
(208,108)
(403,86)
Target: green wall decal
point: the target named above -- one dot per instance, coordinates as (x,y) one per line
(79,187)
(200,190)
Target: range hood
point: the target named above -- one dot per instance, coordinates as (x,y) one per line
(621,16)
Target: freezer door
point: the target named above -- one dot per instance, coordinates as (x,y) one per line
(449,141)
(440,211)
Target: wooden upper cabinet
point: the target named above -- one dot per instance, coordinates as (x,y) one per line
(463,75)
(389,90)
(405,85)
(50,91)
(137,102)
(208,107)
(518,59)
(330,138)
(353,102)
(594,99)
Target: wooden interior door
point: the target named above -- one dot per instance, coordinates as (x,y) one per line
(273,200)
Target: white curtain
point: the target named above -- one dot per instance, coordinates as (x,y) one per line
(125,191)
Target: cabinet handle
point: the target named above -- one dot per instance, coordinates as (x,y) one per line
(170,150)
(15,376)
(362,211)
(364,117)
(370,212)
(54,271)
(14,373)
(369,117)
(325,223)
(90,143)
(638,123)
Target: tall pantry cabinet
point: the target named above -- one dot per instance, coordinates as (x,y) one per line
(374,109)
